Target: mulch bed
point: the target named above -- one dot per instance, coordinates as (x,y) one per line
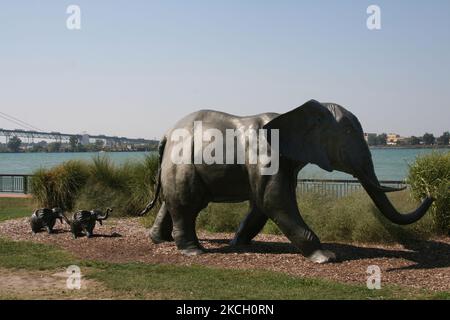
(422,264)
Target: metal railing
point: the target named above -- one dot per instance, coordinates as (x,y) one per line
(339,188)
(20,183)
(15,183)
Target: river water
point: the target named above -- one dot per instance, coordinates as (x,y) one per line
(390,164)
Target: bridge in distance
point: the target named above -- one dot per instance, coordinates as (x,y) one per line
(31,135)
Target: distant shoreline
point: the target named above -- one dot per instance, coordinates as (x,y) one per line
(124,151)
(109,151)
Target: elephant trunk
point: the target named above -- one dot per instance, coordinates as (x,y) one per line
(378,195)
(64,217)
(105,216)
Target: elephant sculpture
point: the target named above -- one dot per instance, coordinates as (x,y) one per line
(325,134)
(84,221)
(45,218)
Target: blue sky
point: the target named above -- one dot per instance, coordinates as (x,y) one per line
(136,67)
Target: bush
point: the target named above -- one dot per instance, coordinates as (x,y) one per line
(430,175)
(97,184)
(126,188)
(59,186)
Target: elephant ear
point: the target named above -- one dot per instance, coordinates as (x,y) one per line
(302,133)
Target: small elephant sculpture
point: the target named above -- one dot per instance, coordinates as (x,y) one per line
(45,218)
(84,221)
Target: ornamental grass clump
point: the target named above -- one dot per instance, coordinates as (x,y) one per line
(430,175)
(60,185)
(127,188)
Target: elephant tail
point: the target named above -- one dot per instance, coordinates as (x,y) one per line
(152,203)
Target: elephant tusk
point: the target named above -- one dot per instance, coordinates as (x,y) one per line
(390,189)
(385,189)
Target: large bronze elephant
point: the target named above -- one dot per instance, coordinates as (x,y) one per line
(324,134)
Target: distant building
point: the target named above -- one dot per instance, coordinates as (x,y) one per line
(394,139)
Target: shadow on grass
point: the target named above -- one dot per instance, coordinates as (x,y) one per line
(426,254)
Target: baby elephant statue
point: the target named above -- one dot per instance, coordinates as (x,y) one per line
(84,221)
(46,218)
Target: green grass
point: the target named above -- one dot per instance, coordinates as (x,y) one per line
(146,281)
(197,282)
(11,208)
(355,219)
(32,256)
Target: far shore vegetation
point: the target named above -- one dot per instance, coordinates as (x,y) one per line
(395,140)
(15,144)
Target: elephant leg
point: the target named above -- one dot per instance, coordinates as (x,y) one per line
(298,232)
(87,232)
(279,203)
(249,227)
(161,230)
(184,234)
(75,229)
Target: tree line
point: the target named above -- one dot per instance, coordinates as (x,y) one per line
(427,139)
(15,144)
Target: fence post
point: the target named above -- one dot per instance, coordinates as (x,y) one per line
(25,184)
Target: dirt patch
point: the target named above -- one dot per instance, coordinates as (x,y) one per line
(25,284)
(423,264)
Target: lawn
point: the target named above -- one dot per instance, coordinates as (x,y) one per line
(150,281)
(11,208)
(32,256)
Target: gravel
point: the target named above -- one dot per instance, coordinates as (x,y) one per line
(421,264)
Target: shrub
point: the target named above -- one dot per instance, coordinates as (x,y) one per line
(126,188)
(430,175)
(97,184)
(59,186)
